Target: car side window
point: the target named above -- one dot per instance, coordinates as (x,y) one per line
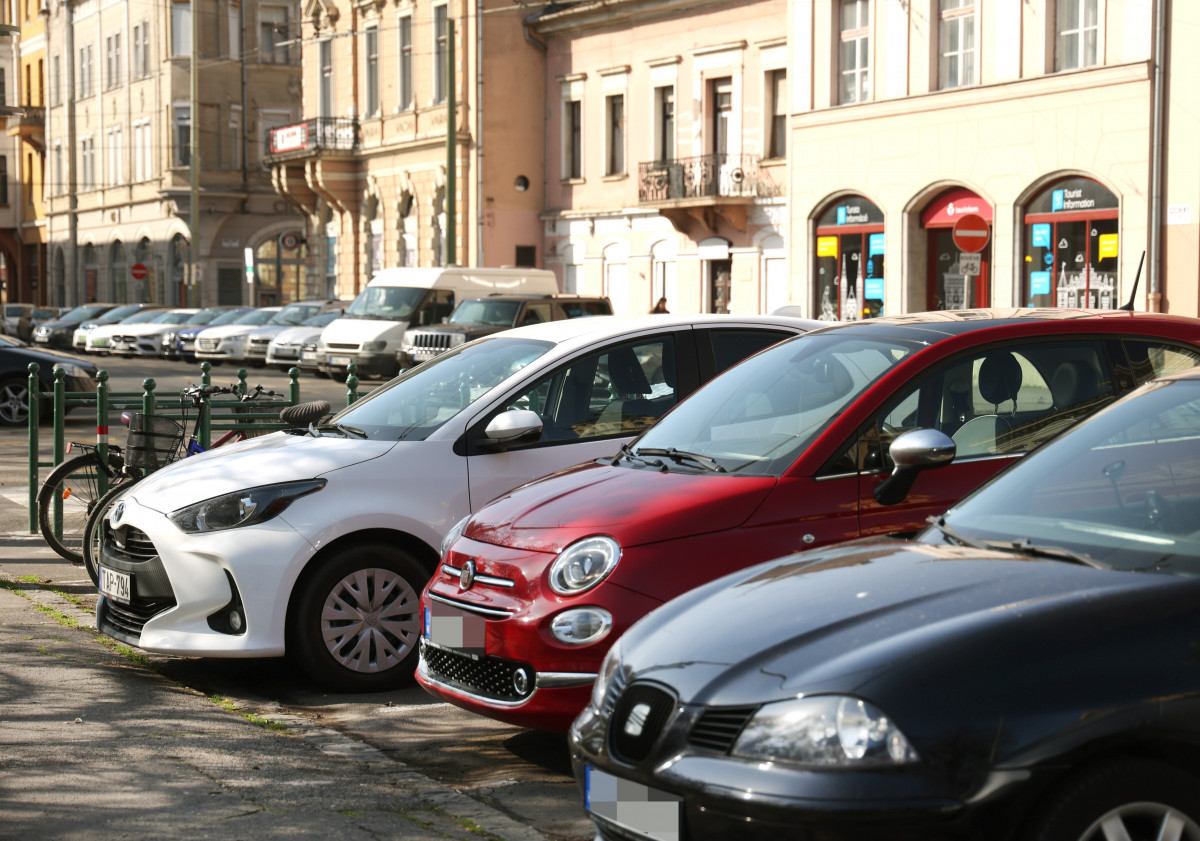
(731,346)
(536,313)
(1153,359)
(617,391)
(436,308)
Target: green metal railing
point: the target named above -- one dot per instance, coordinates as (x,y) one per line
(217,415)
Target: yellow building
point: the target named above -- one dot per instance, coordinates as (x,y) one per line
(22,164)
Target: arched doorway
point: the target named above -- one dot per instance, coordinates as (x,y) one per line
(947,287)
(89,273)
(1070,246)
(849,265)
(616,277)
(118,272)
(718,271)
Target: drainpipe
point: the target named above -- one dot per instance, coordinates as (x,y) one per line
(479,150)
(1154,246)
(72,146)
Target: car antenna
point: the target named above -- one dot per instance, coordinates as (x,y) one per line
(1129,304)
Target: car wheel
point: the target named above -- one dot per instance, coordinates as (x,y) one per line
(1139,800)
(14,401)
(357,619)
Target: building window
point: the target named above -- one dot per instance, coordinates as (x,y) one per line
(573,139)
(141,50)
(777,113)
(325,105)
(235,137)
(3,87)
(854,52)
(181,29)
(273,35)
(85,70)
(141,150)
(87,163)
(28,85)
(1078,34)
(721,102)
(183,135)
(112,60)
(526,256)
(664,123)
(60,175)
(439,53)
(116,156)
(4,180)
(41,77)
(233,19)
(404,35)
(956,38)
(56,79)
(615,134)
(372,56)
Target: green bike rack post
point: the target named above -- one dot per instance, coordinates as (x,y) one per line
(149,401)
(205,415)
(293,386)
(241,383)
(102,429)
(34,396)
(60,417)
(351,383)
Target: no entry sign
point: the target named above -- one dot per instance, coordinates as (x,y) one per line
(138,271)
(970,233)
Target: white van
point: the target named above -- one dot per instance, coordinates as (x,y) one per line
(370,332)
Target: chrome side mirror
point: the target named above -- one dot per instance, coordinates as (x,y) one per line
(511,426)
(912,452)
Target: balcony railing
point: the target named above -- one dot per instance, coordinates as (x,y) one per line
(704,176)
(328,133)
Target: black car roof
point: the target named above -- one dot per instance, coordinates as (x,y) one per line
(943,324)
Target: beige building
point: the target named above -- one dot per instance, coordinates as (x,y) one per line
(22,162)
(1043,119)
(666,152)
(120,152)
(369,164)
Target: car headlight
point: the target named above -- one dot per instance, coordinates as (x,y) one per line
(454,534)
(75,371)
(242,508)
(370,347)
(608,668)
(827,730)
(583,565)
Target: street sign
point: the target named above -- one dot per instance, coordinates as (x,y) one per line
(969,264)
(138,271)
(971,233)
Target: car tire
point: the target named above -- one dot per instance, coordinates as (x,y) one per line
(1137,796)
(356,620)
(14,401)
(92,533)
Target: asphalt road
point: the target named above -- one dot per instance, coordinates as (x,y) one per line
(512,773)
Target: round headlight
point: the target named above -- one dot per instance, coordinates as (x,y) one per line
(583,565)
(581,625)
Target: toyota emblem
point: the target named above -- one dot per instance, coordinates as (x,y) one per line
(467,577)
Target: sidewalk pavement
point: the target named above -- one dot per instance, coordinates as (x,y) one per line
(96,745)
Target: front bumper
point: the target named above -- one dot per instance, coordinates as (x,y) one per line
(374,365)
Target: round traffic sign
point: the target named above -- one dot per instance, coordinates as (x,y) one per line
(971,233)
(138,271)
(289,241)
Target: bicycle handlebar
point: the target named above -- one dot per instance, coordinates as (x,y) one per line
(198,393)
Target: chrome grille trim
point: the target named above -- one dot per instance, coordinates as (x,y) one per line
(480,578)
(490,612)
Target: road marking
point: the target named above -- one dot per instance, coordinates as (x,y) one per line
(19,497)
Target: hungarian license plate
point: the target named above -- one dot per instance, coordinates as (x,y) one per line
(341,361)
(632,806)
(115,585)
(452,627)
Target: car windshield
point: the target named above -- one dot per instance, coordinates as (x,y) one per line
(1122,488)
(419,401)
(495,313)
(119,314)
(170,317)
(205,317)
(392,303)
(293,314)
(144,316)
(323,319)
(15,310)
(256,317)
(85,311)
(227,317)
(757,419)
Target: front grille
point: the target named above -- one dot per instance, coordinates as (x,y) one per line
(207,344)
(490,677)
(262,342)
(125,621)
(616,685)
(430,341)
(342,345)
(639,718)
(718,727)
(286,352)
(133,543)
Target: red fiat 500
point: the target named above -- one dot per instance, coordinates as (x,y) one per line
(797,447)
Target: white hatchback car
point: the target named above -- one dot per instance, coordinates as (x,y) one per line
(317,542)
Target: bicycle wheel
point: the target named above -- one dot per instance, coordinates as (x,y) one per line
(76,482)
(93,534)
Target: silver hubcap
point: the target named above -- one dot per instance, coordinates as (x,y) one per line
(1143,822)
(14,403)
(370,620)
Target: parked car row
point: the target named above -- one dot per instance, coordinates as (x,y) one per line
(1009,663)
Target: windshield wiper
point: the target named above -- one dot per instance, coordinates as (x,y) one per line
(681,456)
(961,539)
(1030,549)
(344,429)
(627,452)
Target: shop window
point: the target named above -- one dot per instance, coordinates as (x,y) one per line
(1071,246)
(849,260)
(951,282)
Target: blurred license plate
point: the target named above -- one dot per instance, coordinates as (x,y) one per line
(453,627)
(633,806)
(115,584)
(339,360)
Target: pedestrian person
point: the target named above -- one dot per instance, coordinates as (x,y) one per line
(661,306)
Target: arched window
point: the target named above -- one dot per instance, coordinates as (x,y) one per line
(849,260)
(118,272)
(89,273)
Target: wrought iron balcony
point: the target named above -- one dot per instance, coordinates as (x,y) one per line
(705,176)
(339,134)
(25,121)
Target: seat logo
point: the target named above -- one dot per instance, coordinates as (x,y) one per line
(467,577)
(635,722)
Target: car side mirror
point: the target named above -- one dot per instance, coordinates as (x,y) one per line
(911,453)
(513,427)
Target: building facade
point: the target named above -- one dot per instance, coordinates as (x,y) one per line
(370,164)
(20,150)
(666,149)
(120,152)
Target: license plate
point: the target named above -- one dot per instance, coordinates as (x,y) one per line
(342,361)
(632,806)
(453,627)
(115,584)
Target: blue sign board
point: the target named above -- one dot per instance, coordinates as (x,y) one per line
(1039,283)
(841,215)
(1056,200)
(874,245)
(874,288)
(1041,235)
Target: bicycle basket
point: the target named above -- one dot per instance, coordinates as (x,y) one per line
(154,440)
(266,407)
